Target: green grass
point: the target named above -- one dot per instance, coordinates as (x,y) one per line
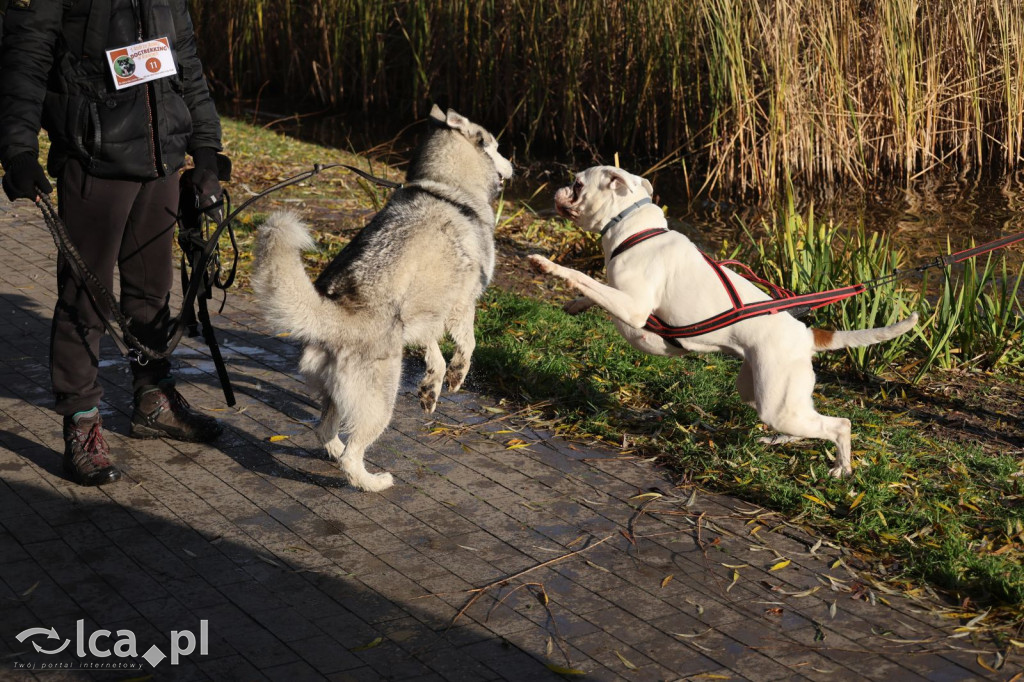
(923,509)
(970,315)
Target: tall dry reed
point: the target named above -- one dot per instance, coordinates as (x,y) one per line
(746,92)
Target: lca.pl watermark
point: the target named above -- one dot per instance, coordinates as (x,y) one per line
(115,651)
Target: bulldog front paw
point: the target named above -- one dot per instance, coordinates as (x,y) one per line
(541,264)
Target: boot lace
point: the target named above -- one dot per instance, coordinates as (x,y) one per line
(94,446)
(179,406)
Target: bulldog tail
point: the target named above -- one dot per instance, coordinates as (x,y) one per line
(825,339)
(285,293)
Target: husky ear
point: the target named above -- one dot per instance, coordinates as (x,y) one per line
(457,121)
(437,116)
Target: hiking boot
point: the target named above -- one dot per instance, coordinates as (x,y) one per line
(86,455)
(161,412)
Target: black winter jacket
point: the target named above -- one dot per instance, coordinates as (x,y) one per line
(53,75)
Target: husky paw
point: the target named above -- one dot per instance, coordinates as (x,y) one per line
(541,264)
(335,449)
(455,375)
(371,483)
(428,398)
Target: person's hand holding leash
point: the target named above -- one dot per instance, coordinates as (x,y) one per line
(25,178)
(206,181)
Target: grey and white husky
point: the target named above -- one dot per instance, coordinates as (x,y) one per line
(412,274)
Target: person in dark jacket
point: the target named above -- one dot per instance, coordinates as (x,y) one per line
(119,88)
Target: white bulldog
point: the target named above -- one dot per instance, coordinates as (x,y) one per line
(668,277)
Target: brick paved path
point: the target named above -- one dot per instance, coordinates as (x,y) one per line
(300,577)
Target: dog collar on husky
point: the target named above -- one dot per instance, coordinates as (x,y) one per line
(618,219)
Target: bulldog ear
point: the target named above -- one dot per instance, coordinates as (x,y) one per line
(622,182)
(646,184)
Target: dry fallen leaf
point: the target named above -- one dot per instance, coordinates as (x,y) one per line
(563,671)
(625,661)
(372,644)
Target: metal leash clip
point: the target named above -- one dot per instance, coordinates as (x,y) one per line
(137,356)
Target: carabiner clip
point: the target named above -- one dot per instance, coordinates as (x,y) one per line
(138,357)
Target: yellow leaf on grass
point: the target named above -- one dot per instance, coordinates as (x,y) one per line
(818,500)
(781,565)
(274,439)
(856,501)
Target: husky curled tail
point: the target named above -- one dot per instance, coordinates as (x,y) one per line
(410,276)
(287,295)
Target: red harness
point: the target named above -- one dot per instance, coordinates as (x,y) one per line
(782,300)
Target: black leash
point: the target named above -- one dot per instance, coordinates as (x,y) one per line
(200,280)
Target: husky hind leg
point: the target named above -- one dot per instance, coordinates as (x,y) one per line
(316,367)
(460,327)
(430,385)
(364,397)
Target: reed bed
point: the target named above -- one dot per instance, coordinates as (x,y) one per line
(742,92)
(970,314)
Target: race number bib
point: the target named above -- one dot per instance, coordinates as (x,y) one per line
(141,63)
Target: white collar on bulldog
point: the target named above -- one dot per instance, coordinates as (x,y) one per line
(618,219)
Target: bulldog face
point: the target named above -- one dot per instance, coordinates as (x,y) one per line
(599,194)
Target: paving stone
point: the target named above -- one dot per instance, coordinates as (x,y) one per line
(299,576)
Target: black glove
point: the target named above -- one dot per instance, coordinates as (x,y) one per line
(206,180)
(25,178)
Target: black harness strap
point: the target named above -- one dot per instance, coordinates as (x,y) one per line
(782,300)
(795,305)
(634,239)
